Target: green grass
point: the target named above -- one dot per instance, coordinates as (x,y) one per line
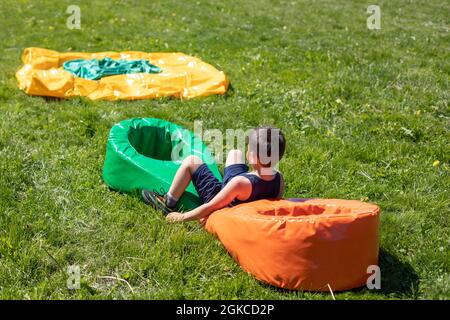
(365,114)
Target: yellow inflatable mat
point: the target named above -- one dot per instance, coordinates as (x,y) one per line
(183,76)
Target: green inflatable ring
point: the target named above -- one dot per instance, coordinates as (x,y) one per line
(145,153)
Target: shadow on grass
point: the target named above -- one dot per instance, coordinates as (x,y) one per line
(397,278)
(230,91)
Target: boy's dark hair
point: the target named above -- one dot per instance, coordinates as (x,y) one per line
(260,141)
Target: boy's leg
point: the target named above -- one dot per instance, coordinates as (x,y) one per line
(167,202)
(184,176)
(234,157)
(234,166)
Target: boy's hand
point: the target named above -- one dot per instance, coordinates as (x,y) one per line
(175,217)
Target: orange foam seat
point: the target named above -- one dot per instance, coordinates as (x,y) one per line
(298,244)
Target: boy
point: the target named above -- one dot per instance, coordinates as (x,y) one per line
(266,146)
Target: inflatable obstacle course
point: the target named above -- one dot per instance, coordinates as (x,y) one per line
(302,244)
(183,76)
(145,153)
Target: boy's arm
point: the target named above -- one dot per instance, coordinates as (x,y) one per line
(237,185)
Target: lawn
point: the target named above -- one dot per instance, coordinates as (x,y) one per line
(365,114)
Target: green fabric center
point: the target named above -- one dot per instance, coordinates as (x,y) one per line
(95,69)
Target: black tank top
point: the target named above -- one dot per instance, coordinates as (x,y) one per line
(261,189)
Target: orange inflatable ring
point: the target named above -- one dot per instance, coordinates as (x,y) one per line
(306,244)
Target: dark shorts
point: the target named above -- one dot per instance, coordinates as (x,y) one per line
(208,186)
